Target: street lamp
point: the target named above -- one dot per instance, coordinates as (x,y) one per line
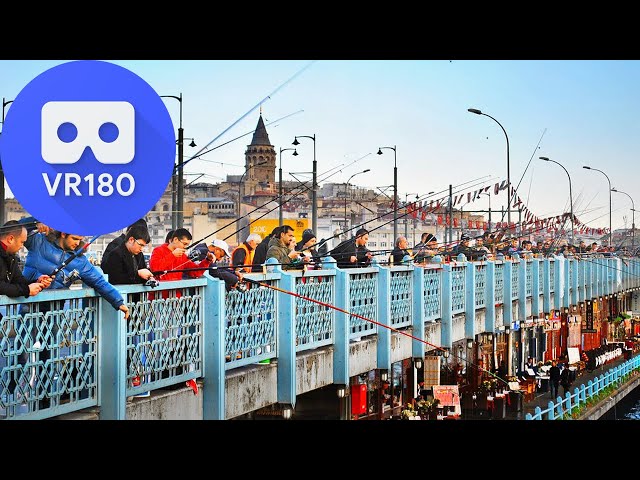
(608,180)
(239,194)
(4,104)
(395,190)
(633,218)
(346,189)
(177,189)
(314,203)
(478,112)
(546,159)
(295,153)
(406,217)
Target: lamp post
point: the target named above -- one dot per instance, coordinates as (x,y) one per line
(314,203)
(240,197)
(546,159)
(406,217)
(177,188)
(395,190)
(633,218)
(478,112)
(346,189)
(608,180)
(4,104)
(488,195)
(295,153)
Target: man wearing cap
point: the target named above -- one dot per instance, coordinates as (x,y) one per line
(220,250)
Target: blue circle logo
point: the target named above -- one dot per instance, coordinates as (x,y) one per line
(88,147)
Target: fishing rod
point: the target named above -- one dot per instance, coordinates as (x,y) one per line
(237,138)
(72,256)
(268,97)
(361,317)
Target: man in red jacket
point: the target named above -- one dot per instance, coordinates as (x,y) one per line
(172,256)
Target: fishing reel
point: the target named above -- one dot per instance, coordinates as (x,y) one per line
(71,278)
(242,287)
(152,282)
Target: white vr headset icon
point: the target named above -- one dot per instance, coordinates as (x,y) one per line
(88,118)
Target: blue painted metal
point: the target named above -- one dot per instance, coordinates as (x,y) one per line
(574,282)
(523,273)
(552,277)
(515,280)
(432,293)
(418,318)
(314,322)
(457,289)
(401,291)
(507,306)
(536,287)
(546,294)
(470,300)
(480,283)
(342,328)
(447,301)
(384,318)
(589,290)
(286,334)
(113,400)
(213,341)
(557,278)
(490,298)
(566,299)
(499,282)
(363,300)
(529,278)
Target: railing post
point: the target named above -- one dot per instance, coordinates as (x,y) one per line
(287,341)
(113,367)
(566,299)
(507,303)
(590,388)
(589,287)
(213,344)
(522,289)
(417,348)
(447,300)
(546,294)
(551,414)
(535,287)
(342,329)
(583,393)
(574,265)
(557,291)
(470,300)
(490,298)
(384,318)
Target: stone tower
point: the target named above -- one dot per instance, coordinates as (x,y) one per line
(259,177)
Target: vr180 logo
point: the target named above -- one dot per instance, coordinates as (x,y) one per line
(107,128)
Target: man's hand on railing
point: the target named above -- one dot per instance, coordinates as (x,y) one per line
(125,309)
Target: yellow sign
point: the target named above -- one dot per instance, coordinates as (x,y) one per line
(264,226)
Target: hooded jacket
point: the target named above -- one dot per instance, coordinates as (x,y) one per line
(45,254)
(12,283)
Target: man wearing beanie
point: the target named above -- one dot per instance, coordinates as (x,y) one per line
(307,247)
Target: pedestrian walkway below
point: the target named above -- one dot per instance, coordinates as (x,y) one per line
(542,399)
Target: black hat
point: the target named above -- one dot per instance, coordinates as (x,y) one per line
(307,235)
(464,237)
(430,238)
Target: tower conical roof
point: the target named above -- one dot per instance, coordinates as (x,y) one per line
(260,136)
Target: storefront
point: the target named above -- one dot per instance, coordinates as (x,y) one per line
(553,340)
(380,395)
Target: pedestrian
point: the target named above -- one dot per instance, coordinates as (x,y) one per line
(565,380)
(554,379)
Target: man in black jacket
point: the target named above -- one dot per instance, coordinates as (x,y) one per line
(12,283)
(260,255)
(353,252)
(116,242)
(126,265)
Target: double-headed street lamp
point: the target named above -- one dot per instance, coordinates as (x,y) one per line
(478,112)
(608,180)
(395,190)
(546,159)
(295,153)
(633,218)
(314,202)
(346,189)
(406,217)
(4,104)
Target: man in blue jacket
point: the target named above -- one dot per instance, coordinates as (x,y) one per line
(47,252)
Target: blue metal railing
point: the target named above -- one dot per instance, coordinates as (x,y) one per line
(67,350)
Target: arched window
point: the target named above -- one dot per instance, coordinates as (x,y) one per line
(165,207)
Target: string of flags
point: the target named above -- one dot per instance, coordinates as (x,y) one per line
(531,221)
